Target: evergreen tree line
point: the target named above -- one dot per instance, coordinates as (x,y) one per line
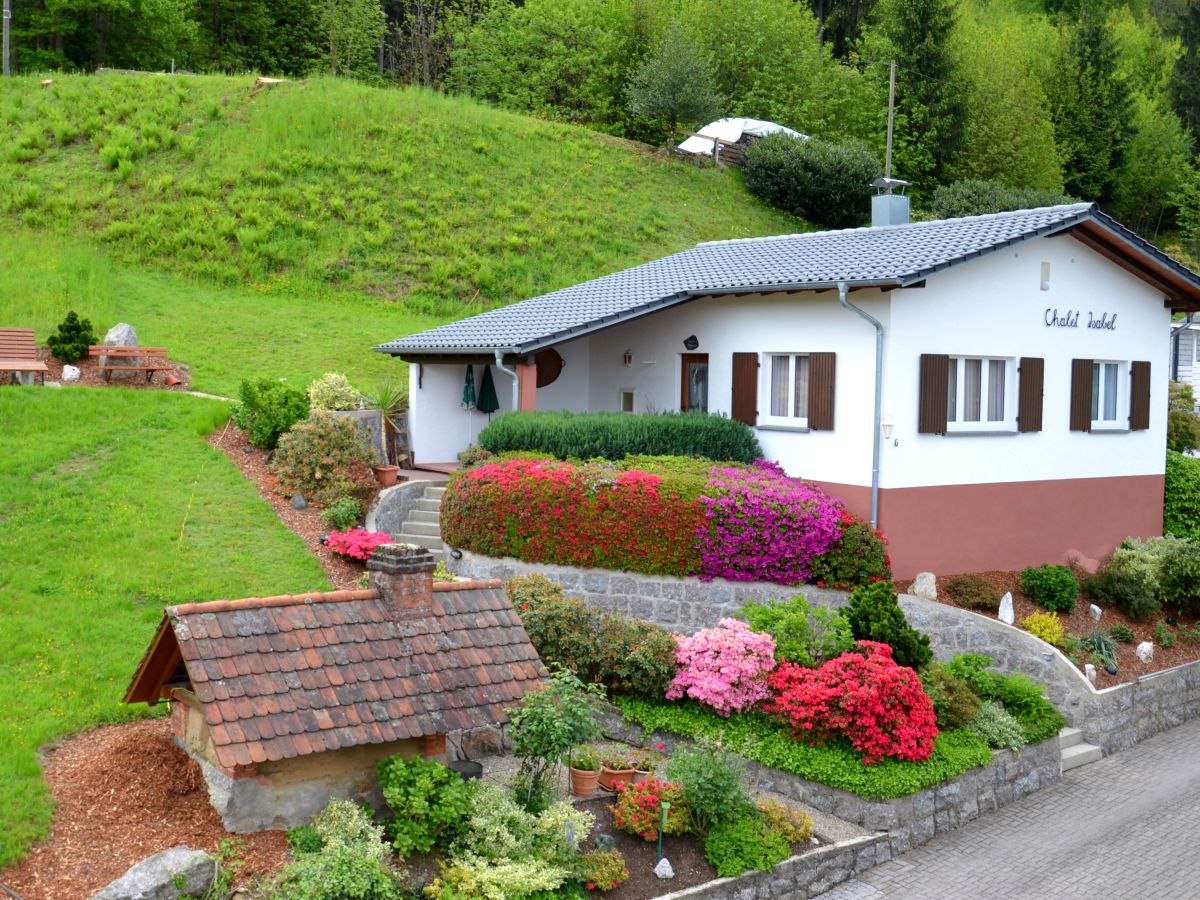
(1097,99)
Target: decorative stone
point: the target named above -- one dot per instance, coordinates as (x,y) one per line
(924,586)
(120,335)
(168,875)
(1145,651)
(298,502)
(1006,608)
(1090,672)
(1095,612)
(70,373)
(663,870)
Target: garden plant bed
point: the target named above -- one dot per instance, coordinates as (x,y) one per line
(125,792)
(344,573)
(1079,622)
(91,376)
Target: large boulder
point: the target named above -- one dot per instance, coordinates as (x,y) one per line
(178,872)
(121,335)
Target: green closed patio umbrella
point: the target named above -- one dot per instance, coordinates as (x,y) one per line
(468,400)
(488,401)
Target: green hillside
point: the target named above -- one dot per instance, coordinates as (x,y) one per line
(255,211)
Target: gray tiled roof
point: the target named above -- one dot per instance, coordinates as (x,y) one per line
(895,255)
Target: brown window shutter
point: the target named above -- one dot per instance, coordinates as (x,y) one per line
(1032,375)
(932,411)
(822,367)
(745,388)
(1139,396)
(1081,395)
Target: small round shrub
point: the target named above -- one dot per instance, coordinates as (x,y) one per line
(1128,587)
(473,456)
(744,844)
(1122,634)
(724,668)
(972,592)
(356,543)
(1164,636)
(1047,626)
(823,181)
(342,514)
(603,870)
(1179,576)
(431,802)
(803,634)
(639,808)
(954,703)
(320,457)
(998,728)
(305,839)
(1054,587)
(796,826)
(712,786)
(72,338)
(858,557)
(874,614)
(333,391)
(266,409)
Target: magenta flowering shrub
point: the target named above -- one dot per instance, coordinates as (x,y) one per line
(356,542)
(725,667)
(761,525)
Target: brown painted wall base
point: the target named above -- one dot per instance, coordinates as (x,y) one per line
(958,528)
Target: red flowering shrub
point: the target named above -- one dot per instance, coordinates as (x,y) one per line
(859,556)
(357,543)
(864,696)
(724,667)
(590,515)
(639,806)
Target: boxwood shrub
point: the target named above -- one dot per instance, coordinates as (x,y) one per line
(614,436)
(1181,498)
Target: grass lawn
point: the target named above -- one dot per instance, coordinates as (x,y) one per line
(224,334)
(111,506)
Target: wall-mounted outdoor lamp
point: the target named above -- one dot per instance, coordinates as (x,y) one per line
(628,358)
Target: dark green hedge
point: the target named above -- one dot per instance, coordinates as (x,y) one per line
(1181,505)
(617,435)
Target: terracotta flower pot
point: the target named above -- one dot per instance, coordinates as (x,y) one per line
(610,777)
(639,776)
(583,781)
(387,475)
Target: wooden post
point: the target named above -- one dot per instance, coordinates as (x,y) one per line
(527,386)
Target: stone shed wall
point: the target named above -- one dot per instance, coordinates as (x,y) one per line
(1114,718)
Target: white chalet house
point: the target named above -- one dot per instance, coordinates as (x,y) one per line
(991,390)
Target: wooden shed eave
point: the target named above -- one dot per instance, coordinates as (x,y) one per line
(156,668)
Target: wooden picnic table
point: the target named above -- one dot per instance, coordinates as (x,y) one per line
(133,357)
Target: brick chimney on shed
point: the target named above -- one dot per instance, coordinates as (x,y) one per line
(403,576)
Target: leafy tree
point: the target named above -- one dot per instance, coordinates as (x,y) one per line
(279,37)
(1092,110)
(674,84)
(1185,78)
(1156,160)
(352,31)
(930,106)
(85,34)
(973,197)
(1187,198)
(823,181)
(840,22)
(1183,425)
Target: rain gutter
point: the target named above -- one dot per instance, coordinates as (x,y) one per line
(511,373)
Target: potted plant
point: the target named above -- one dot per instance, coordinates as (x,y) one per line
(388,400)
(615,766)
(585,771)
(644,760)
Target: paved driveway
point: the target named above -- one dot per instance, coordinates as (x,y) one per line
(1127,826)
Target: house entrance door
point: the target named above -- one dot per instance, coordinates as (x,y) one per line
(694,382)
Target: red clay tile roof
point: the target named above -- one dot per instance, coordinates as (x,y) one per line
(280,677)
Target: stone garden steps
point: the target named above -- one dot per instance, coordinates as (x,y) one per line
(421,526)
(1075,751)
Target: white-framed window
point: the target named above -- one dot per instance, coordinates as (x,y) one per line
(980,394)
(627,402)
(787,389)
(1110,405)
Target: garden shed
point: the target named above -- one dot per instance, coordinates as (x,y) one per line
(991,391)
(287,701)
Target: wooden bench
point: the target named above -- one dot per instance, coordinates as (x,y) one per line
(129,354)
(18,352)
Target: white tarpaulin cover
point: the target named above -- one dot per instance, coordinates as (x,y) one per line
(731,130)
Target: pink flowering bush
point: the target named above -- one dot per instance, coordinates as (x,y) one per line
(864,696)
(761,525)
(357,543)
(724,667)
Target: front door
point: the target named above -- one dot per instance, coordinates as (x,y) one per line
(694,381)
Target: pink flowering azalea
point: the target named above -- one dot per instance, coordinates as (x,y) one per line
(356,542)
(724,667)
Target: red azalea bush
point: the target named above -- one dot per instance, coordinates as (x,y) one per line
(356,542)
(857,557)
(724,667)
(638,808)
(864,696)
(762,525)
(589,515)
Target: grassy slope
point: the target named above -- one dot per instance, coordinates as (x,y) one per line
(111,506)
(397,203)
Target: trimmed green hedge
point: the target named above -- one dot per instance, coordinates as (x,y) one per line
(1181,500)
(757,737)
(614,436)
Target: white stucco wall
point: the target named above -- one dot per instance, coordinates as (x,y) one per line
(994,306)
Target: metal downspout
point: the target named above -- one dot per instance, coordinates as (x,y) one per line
(1176,333)
(843,298)
(511,373)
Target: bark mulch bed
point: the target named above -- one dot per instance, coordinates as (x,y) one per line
(90,375)
(125,792)
(343,572)
(1080,623)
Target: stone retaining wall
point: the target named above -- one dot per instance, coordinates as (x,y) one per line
(1114,718)
(909,821)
